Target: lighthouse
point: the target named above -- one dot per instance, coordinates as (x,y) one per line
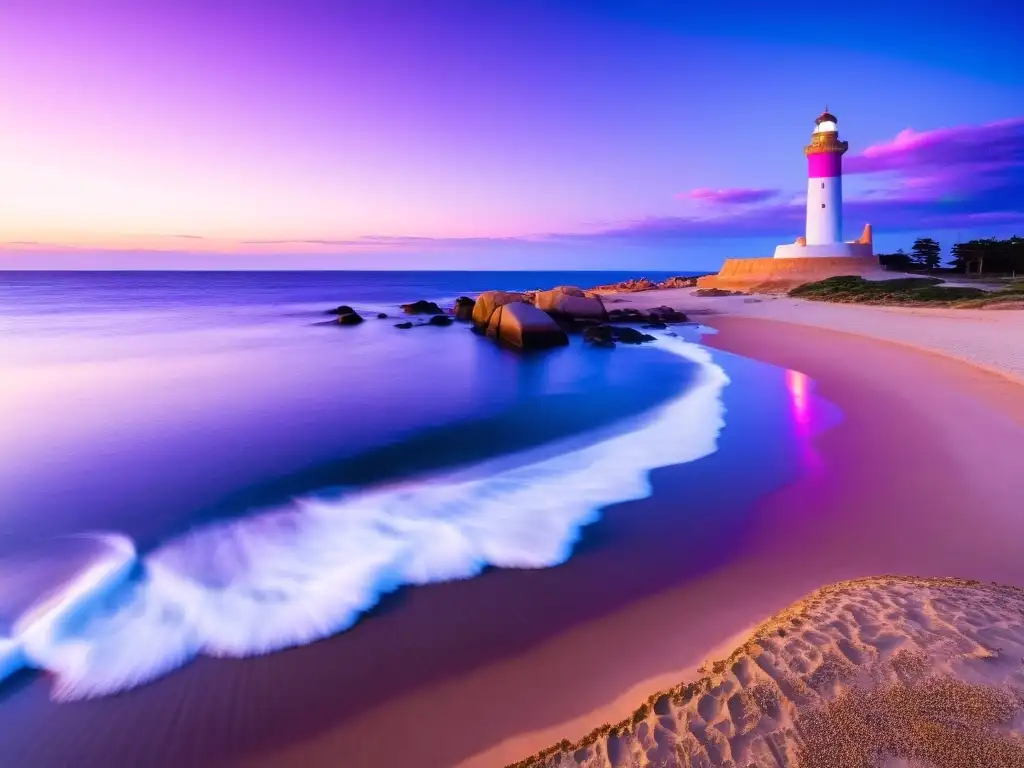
(824,233)
(825,182)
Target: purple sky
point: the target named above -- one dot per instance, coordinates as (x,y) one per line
(465,134)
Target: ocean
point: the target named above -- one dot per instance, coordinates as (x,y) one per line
(202,464)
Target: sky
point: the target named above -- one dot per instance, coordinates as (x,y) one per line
(494,134)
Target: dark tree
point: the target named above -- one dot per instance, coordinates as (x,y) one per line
(926,252)
(895,262)
(990,255)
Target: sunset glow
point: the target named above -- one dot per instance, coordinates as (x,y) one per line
(344,128)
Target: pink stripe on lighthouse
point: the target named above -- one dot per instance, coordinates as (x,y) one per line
(824,165)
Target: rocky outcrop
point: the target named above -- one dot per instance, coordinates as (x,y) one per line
(441,320)
(768,275)
(679,282)
(422,307)
(488,301)
(404,326)
(569,301)
(382,315)
(464,308)
(344,309)
(626,286)
(523,326)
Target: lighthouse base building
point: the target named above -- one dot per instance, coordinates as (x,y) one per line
(821,252)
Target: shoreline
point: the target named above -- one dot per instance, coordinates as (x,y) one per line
(860,513)
(859,504)
(989,339)
(766,340)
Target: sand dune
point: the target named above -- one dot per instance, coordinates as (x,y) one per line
(883,671)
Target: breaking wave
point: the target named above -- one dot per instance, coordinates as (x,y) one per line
(303,571)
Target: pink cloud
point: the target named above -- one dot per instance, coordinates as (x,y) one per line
(729,196)
(965,176)
(999,144)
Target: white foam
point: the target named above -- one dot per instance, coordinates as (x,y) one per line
(308,570)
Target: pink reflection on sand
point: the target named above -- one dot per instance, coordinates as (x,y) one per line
(799,387)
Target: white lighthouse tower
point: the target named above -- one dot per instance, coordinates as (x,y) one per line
(825,182)
(824,234)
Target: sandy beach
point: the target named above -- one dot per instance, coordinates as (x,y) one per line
(920,478)
(987,338)
(876,671)
(875,511)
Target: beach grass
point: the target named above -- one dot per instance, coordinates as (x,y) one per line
(906,291)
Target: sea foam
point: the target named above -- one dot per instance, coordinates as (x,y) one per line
(306,570)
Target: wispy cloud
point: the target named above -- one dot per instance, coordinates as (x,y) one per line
(730,196)
(963,177)
(394,241)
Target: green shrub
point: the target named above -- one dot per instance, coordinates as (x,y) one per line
(904,290)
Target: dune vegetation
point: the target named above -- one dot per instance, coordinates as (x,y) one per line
(909,291)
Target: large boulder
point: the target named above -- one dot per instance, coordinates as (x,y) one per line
(488,301)
(464,308)
(569,301)
(523,326)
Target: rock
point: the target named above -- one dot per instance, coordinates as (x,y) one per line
(627,286)
(525,327)
(569,301)
(628,315)
(488,301)
(464,308)
(440,320)
(605,335)
(679,282)
(667,315)
(404,325)
(567,290)
(716,292)
(422,307)
(575,324)
(346,315)
(599,336)
(382,315)
(656,325)
(350,318)
(630,336)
